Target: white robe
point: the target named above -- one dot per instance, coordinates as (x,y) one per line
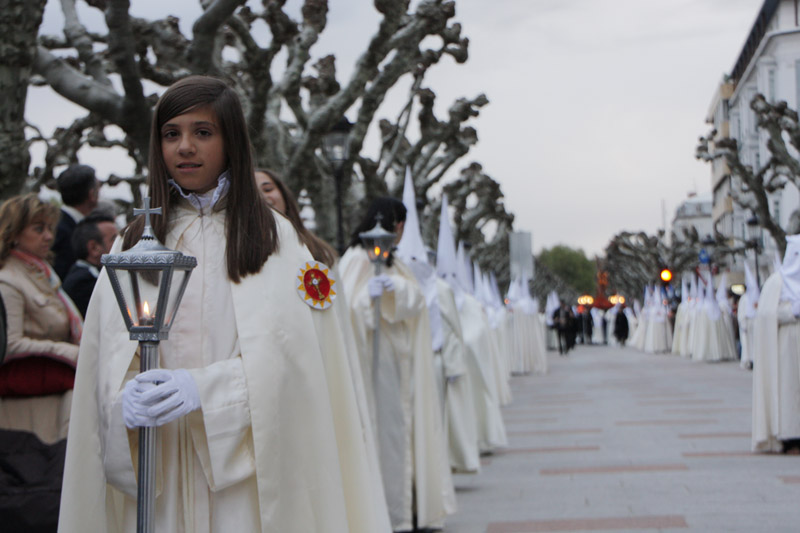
(411,440)
(679,333)
(745,331)
(776,374)
(491,429)
(460,409)
(262,360)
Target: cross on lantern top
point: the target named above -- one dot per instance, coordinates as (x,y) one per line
(146,211)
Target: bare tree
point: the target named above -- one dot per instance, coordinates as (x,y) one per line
(287,114)
(780,123)
(480,220)
(19,24)
(634,260)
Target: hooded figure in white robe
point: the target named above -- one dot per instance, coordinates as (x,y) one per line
(776,356)
(448,347)
(681,322)
(475,328)
(746,315)
(658,335)
(405,403)
(642,321)
(713,337)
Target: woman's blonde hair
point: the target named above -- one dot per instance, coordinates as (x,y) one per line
(17,213)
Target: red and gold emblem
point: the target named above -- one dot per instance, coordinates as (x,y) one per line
(316,285)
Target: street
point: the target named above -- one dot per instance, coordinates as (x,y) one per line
(613,439)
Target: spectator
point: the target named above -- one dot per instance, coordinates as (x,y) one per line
(79,190)
(44,327)
(93,237)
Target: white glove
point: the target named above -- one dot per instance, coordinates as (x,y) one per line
(378,284)
(173,396)
(134,412)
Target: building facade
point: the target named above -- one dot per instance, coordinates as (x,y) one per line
(694,212)
(769,64)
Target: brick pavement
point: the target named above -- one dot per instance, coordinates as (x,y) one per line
(612,439)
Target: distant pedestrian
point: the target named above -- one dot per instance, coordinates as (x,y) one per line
(621,328)
(79,190)
(93,237)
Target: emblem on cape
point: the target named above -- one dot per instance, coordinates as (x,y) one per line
(316,285)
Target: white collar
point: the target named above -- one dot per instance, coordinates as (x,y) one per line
(76,215)
(88,266)
(207,199)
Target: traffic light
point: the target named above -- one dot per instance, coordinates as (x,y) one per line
(666,275)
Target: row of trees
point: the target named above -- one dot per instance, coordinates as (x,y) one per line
(289,108)
(779,124)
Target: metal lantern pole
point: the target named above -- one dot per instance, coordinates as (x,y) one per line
(378,243)
(144,263)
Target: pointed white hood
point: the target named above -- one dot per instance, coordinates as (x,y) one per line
(722,294)
(411,250)
(446,259)
(753,292)
(790,270)
(711,305)
(684,290)
(550,307)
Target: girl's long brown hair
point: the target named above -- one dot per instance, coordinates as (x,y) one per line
(320,250)
(252,234)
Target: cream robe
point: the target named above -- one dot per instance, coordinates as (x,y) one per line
(276,445)
(461,428)
(491,429)
(745,331)
(776,374)
(679,333)
(410,435)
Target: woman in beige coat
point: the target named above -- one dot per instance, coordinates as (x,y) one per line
(43,325)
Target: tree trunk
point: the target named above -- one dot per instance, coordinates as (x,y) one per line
(19,25)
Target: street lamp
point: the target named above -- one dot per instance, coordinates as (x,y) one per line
(148,280)
(336,146)
(754,242)
(378,242)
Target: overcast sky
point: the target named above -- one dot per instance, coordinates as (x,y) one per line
(595,105)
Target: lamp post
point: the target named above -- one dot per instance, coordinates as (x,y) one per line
(378,242)
(754,232)
(143,279)
(336,147)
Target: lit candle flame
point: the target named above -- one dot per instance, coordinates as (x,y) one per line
(146,309)
(377,251)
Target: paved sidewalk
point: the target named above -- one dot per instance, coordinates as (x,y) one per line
(612,439)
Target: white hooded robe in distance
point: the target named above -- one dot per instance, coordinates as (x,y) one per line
(262,360)
(776,357)
(461,425)
(478,342)
(409,429)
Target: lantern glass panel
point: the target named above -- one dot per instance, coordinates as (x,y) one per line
(140,289)
(180,278)
(335,146)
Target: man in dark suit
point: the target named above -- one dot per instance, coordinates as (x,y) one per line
(79,190)
(93,237)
